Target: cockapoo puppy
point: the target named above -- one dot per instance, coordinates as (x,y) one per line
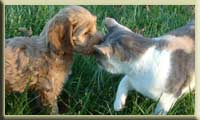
(44,62)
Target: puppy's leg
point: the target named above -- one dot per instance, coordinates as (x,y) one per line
(121,95)
(54,108)
(49,98)
(165,103)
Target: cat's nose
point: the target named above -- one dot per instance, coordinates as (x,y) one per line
(99,62)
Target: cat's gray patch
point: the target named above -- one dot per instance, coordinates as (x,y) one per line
(127,45)
(180,75)
(187,30)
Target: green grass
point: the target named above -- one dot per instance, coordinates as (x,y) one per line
(91,90)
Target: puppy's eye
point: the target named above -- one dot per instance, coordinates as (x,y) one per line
(87,33)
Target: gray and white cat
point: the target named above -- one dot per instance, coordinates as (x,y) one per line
(160,68)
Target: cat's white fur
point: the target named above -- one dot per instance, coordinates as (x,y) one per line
(148,76)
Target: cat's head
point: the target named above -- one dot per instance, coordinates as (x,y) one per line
(119,47)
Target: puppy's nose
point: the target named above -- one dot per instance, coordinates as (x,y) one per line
(98,38)
(99,35)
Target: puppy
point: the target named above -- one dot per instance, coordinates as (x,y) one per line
(44,62)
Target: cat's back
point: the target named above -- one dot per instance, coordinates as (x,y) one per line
(181,44)
(169,67)
(182,39)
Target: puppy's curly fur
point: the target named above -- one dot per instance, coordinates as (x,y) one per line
(43,62)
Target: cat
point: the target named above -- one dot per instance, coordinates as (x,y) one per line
(160,68)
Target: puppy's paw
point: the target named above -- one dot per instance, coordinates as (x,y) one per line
(54,109)
(118,105)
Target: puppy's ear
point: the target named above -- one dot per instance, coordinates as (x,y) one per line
(60,33)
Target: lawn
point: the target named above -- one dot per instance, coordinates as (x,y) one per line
(90,90)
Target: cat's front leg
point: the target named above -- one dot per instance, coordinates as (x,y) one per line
(121,95)
(165,103)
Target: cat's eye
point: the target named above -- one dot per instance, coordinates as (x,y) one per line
(98,53)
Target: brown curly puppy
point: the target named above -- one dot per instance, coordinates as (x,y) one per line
(44,62)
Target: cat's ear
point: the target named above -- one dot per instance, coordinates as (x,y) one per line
(103,50)
(112,25)
(110,22)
